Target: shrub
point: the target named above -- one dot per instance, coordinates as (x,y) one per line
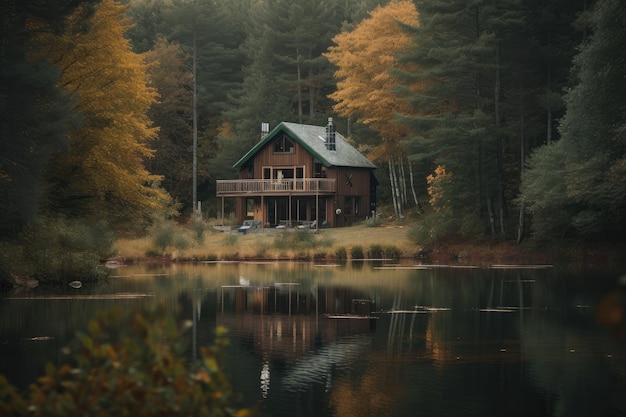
(356,252)
(341,253)
(320,255)
(162,233)
(375,252)
(130,365)
(439,225)
(55,249)
(198,225)
(373,222)
(230,239)
(297,239)
(182,241)
(392,252)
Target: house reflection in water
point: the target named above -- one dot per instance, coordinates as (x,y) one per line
(313,328)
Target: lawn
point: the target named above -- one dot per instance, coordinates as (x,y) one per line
(179,243)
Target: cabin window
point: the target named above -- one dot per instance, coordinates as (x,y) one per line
(357,205)
(250,171)
(347,205)
(283,145)
(319,170)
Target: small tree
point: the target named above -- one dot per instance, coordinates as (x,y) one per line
(130,366)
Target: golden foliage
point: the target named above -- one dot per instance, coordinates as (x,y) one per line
(104,162)
(364,58)
(436,187)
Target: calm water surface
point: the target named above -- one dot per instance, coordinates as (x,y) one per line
(367,339)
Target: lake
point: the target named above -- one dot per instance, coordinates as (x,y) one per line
(367,338)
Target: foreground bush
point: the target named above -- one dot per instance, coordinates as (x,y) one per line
(57,250)
(129,366)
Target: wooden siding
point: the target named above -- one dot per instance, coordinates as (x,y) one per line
(267,157)
(341,186)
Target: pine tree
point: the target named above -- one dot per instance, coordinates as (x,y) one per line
(34,112)
(588,162)
(172,79)
(457,119)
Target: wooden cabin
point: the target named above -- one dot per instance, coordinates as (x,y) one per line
(302,176)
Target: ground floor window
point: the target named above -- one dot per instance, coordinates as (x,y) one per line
(250,207)
(280,211)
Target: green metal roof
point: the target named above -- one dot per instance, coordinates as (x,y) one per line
(313,139)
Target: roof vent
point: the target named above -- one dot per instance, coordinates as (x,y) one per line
(330,135)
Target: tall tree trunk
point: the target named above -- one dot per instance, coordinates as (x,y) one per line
(522,136)
(492,221)
(194,194)
(394,190)
(393,194)
(299,85)
(312,92)
(403,187)
(415,200)
(500,145)
(549,81)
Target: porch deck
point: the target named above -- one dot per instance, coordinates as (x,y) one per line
(297,186)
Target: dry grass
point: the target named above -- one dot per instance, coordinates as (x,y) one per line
(389,240)
(289,244)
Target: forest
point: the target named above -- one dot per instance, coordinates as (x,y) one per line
(486,118)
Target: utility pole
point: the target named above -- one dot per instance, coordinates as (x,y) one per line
(195,111)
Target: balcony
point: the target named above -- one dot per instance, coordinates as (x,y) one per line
(297,186)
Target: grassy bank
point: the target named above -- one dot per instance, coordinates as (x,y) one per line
(385,241)
(390,240)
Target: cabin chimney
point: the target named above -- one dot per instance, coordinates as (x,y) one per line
(265,129)
(330,135)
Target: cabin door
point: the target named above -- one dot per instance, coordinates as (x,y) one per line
(277,211)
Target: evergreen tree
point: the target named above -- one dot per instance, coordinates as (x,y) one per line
(458,117)
(34,113)
(173,80)
(210,34)
(587,173)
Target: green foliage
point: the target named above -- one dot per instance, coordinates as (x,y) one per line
(341,253)
(356,252)
(375,252)
(320,255)
(11,403)
(576,187)
(295,239)
(391,252)
(35,114)
(443,224)
(372,222)
(182,241)
(131,365)
(163,233)
(199,226)
(167,233)
(55,249)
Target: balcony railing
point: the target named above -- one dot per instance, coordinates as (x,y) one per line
(269,187)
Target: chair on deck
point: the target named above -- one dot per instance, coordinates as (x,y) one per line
(249,224)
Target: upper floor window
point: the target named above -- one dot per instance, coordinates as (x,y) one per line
(283,145)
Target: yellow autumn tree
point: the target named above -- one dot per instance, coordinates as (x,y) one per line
(364,58)
(102,172)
